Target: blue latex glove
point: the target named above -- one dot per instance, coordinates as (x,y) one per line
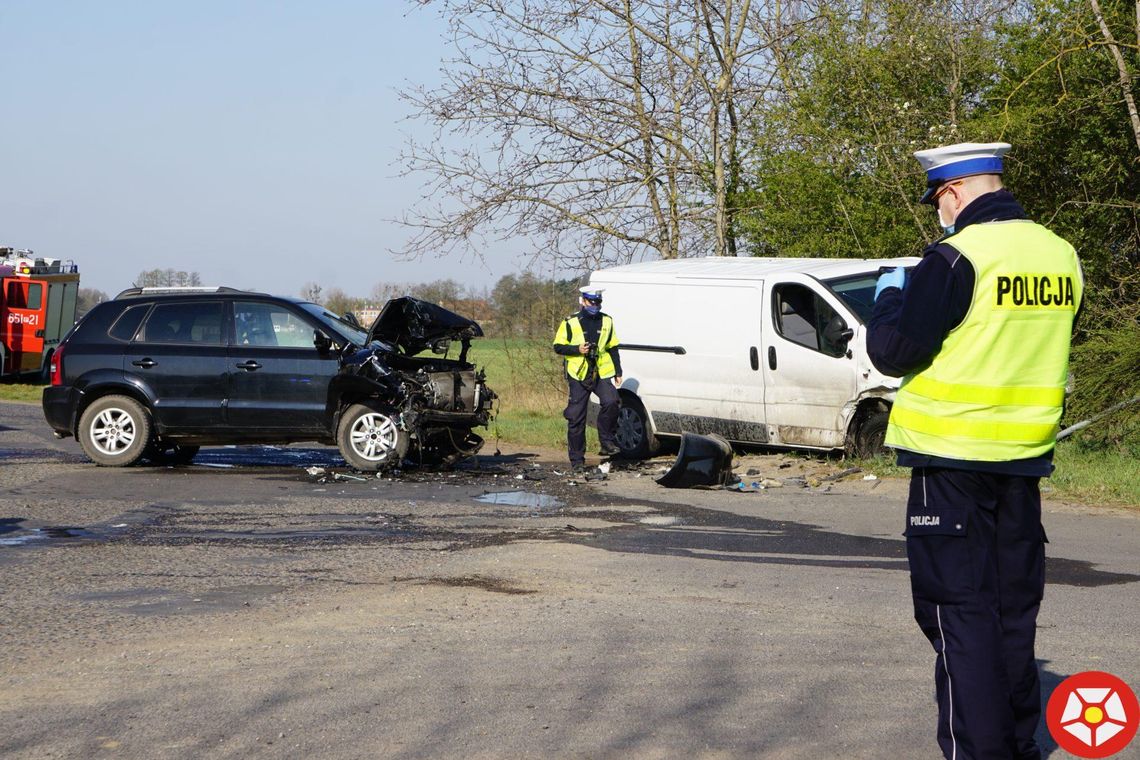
(894,278)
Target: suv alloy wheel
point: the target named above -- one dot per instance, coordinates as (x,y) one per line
(114,431)
(370,439)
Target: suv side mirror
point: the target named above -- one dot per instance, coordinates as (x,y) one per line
(322,341)
(836,336)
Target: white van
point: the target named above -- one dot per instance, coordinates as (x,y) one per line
(758,350)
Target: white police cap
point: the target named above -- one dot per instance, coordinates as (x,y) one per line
(956,161)
(591,294)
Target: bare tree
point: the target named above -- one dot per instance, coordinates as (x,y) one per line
(152,278)
(88,298)
(339,302)
(311,291)
(382,292)
(447,293)
(1121,67)
(606,130)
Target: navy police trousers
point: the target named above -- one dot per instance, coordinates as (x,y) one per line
(977,568)
(575,414)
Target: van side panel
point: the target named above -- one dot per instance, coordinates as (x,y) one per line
(713,385)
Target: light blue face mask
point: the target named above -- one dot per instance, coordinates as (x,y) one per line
(592,310)
(948,229)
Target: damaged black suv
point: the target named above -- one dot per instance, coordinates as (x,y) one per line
(155,374)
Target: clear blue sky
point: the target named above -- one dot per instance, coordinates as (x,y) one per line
(253,142)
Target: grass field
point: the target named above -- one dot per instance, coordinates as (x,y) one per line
(527,376)
(20,392)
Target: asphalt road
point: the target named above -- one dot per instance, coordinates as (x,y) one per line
(243,607)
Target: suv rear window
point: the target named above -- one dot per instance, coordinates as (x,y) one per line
(195,322)
(128,323)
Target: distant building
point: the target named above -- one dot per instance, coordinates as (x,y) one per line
(366,315)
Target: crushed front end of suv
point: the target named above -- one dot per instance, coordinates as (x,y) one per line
(155,375)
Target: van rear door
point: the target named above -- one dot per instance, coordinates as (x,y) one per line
(809,376)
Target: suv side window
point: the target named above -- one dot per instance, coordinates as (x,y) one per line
(194,323)
(267,324)
(801,316)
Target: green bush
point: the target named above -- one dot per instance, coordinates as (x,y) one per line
(1104,367)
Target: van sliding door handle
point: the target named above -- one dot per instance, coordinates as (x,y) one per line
(248,366)
(145,363)
(754,357)
(771,357)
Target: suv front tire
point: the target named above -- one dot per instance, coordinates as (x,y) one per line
(114,431)
(371,439)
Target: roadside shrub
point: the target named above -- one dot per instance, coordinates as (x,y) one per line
(1104,367)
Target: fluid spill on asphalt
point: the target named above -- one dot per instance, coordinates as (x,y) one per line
(521,499)
(45,535)
(255,456)
(47,455)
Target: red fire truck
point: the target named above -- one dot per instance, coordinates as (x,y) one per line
(37,308)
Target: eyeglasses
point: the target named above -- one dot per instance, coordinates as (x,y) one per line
(942,191)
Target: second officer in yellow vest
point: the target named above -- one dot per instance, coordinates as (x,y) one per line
(979,331)
(589,345)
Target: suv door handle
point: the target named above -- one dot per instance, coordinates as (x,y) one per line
(248,366)
(145,363)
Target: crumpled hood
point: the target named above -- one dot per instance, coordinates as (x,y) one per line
(413,325)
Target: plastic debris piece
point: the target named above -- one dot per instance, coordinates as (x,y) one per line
(702,461)
(346,476)
(871,476)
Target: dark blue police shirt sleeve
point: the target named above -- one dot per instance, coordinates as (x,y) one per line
(908,326)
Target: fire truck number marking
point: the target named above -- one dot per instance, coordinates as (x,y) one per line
(24,319)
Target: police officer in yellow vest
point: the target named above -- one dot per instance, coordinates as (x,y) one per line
(979,331)
(588,342)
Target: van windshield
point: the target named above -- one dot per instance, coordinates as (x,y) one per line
(857,291)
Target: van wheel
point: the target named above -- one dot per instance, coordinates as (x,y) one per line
(870,436)
(370,439)
(633,431)
(114,431)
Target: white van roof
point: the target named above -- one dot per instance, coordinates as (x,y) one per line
(743,268)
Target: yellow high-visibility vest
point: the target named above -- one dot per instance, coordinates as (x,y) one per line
(995,390)
(570,333)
